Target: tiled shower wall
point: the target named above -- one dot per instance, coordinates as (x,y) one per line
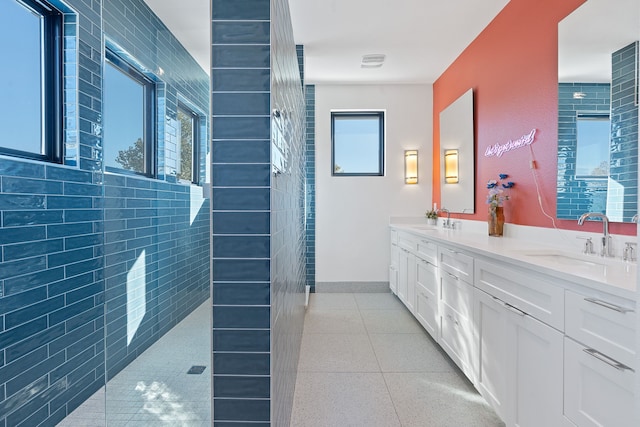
(52,277)
(578,195)
(258,212)
(624,132)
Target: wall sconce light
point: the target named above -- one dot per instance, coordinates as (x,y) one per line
(411,166)
(451,166)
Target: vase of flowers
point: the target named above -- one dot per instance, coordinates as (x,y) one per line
(495,199)
(432,217)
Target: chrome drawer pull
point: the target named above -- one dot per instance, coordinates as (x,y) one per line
(452,276)
(453,252)
(609,361)
(609,305)
(515,310)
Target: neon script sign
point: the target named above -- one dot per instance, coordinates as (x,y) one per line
(499,149)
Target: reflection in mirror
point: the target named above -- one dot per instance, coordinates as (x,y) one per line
(456,135)
(598,110)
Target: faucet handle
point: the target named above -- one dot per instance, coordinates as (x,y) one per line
(588,245)
(629,251)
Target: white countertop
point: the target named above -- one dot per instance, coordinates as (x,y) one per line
(613,276)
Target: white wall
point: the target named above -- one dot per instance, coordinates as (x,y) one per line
(352,213)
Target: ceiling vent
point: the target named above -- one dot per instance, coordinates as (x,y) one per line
(374,60)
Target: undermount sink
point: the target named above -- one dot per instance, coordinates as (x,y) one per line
(566,259)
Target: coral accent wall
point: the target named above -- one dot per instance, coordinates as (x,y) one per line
(512,67)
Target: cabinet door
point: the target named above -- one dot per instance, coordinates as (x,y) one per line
(490,325)
(534,366)
(426,308)
(457,337)
(596,393)
(393,269)
(407,278)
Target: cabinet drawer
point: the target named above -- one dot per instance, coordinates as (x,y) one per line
(532,294)
(428,251)
(603,323)
(426,310)
(456,294)
(456,263)
(595,393)
(427,276)
(456,338)
(407,241)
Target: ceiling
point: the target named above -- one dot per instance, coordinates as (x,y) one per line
(420,38)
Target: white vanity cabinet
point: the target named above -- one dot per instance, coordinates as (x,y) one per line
(520,358)
(426,306)
(406,289)
(394,253)
(456,309)
(599,360)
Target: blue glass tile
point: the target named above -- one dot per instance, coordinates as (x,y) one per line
(68,257)
(32,280)
(241,128)
(21,169)
(22,218)
(241,410)
(73,189)
(239,270)
(33,311)
(83,267)
(241,363)
(26,250)
(70,311)
(21,234)
(241,199)
(21,202)
(241,175)
(241,387)
(241,223)
(245,10)
(241,340)
(82,215)
(19,333)
(65,230)
(14,302)
(241,317)
(30,186)
(242,80)
(69,202)
(66,174)
(240,56)
(241,247)
(247,104)
(239,151)
(241,32)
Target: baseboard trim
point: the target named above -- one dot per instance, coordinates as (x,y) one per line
(364,287)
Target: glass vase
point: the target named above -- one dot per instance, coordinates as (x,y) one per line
(496,221)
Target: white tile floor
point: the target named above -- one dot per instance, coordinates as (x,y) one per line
(365,361)
(155,389)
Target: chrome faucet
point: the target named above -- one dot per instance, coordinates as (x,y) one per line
(606,249)
(447,222)
(634,218)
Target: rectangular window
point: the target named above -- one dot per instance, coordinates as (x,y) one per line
(593,133)
(357,140)
(31,89)
(188,137)
(129,118)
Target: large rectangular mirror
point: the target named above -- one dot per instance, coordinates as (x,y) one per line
(598,110)
(457,170)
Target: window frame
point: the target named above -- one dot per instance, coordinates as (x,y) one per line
(51,75)
(590,116)
(380,115)
(150,137)
(195,141)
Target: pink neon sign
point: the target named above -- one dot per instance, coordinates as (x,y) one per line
(499,149)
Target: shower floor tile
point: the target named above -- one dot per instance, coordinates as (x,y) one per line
(155,389)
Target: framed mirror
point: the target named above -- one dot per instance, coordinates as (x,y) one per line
(598,65)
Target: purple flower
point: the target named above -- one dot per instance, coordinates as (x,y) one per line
(492,183)
(503,176)
(508,184)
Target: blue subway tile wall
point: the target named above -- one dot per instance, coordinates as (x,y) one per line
(578,195)
(310,183)
(258,212)
(624,133)
(66,249)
